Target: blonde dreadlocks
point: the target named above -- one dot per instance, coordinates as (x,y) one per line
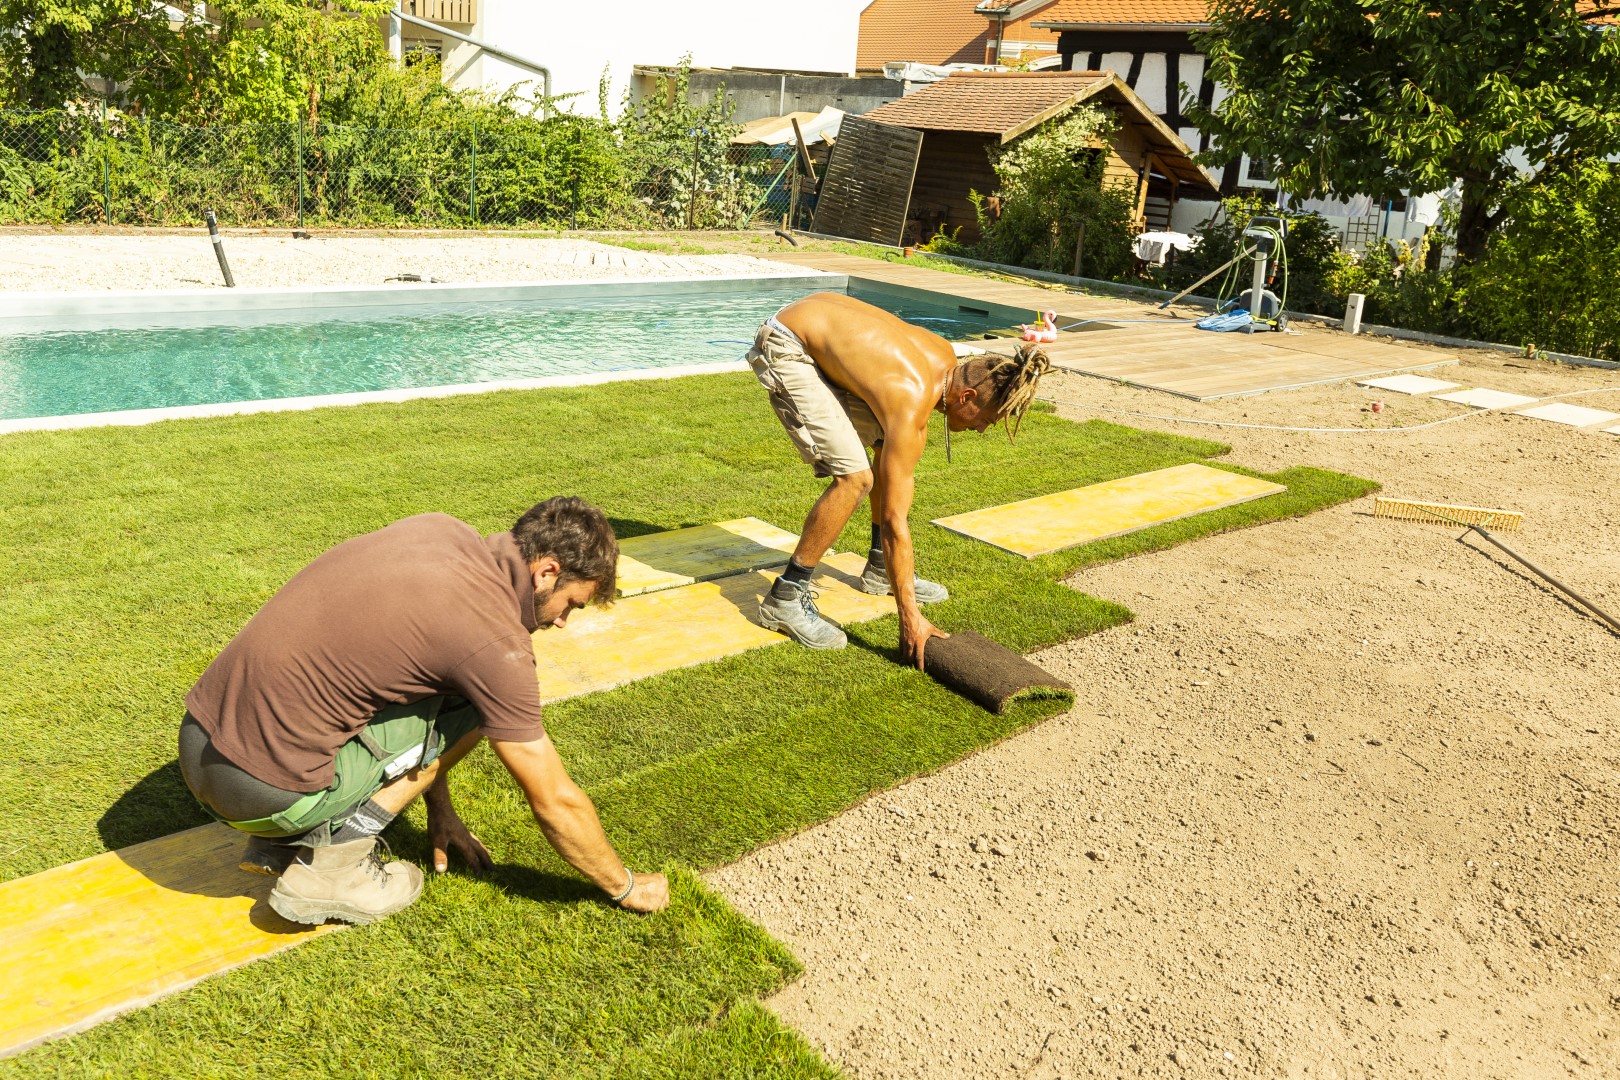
(1008,382)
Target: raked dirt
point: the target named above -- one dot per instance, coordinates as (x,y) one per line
(1341,801)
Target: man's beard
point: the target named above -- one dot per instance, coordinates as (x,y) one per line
(540,599)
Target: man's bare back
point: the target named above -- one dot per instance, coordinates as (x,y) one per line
(898,369)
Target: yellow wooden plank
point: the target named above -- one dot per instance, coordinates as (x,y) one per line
(81,943)
(667,560)
(675,628)
(1068,518)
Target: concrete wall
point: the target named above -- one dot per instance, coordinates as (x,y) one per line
(578,42)
(759,94)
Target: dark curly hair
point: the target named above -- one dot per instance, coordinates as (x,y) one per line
(1011,381)
(578,536)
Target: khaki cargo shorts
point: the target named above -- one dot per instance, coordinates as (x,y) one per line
(830,426)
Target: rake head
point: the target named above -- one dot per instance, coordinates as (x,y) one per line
(1433,513)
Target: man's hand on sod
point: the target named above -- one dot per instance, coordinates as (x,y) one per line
(914,634)
(650,894)
(447,831)
(568,818)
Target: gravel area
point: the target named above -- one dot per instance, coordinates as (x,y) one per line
(82,262)
(1341,802)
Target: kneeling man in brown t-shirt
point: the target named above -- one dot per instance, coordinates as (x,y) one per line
(372,672)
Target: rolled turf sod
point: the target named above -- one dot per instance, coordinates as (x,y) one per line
(991,675)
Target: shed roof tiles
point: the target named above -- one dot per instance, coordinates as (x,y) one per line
(992,103)
(1005,104)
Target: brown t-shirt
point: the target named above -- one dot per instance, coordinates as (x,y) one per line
(424,606)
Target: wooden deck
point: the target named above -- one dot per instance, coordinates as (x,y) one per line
(1150,348)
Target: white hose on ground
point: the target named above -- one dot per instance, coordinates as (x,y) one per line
(1325,430)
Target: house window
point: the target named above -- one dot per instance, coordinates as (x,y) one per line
(423,52)
(1255,174)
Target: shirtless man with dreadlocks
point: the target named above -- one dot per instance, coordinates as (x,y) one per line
(843,375)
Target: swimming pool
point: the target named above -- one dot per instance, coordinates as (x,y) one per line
(164,359)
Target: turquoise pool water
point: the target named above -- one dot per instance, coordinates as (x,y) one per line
(66,372)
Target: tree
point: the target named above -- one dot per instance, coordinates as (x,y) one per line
(1380,96)
(248,60)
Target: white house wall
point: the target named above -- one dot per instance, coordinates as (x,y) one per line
(1191,73)
(579,42)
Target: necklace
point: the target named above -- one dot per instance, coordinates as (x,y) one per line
(943,394)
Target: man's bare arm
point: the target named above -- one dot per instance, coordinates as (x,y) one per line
(568,818)
(893,486)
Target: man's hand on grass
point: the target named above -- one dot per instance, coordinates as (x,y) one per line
(448,832)
(650,894)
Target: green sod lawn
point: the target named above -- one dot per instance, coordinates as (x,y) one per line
(132,555)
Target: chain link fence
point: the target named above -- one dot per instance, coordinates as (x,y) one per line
(76,167)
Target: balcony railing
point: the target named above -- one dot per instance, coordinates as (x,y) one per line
(464,12)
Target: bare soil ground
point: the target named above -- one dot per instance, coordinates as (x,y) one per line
(1341,802)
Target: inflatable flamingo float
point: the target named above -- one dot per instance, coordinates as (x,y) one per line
(1044,331)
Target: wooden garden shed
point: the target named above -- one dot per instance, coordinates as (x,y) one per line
(964,116)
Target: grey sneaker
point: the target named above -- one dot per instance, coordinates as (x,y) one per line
(875,580)
(265,856)
(798,618)
(344,881)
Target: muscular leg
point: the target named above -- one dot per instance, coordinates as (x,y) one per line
(829,516)
(397,794)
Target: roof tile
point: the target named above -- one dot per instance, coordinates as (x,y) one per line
(1134,12)
(989,102)
(921,31)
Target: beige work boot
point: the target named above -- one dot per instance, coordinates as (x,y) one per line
(344,881)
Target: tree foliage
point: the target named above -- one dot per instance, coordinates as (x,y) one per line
(1549,275)
(1381,96)
(249,61)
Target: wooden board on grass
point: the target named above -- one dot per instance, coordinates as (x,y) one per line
(1069,518)
(675,628)
(82,943)
(667,560)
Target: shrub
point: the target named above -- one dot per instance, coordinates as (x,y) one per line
(1051,182)
(1548,277)
(399,148)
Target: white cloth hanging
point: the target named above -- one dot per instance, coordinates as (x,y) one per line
(1423,209)
(1360,206)
(1152,247)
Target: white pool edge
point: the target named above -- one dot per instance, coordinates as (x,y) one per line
(33,306)
(139,417)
